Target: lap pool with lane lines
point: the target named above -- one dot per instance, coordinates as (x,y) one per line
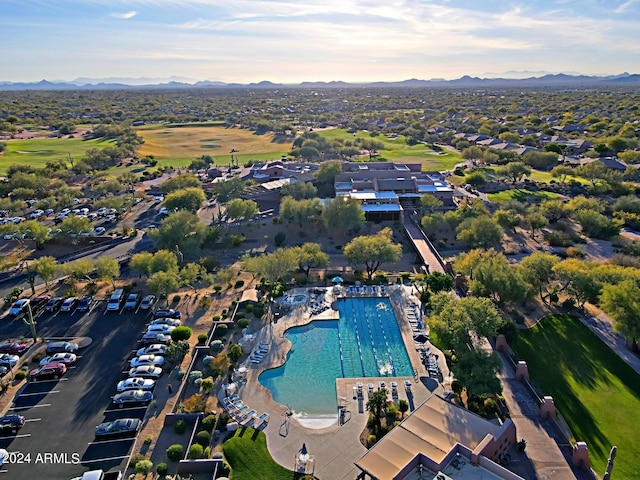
(365,342)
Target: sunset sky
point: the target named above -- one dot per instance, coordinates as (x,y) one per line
(311,40)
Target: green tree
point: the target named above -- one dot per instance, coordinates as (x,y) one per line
(343,214)
(429,203)
(507,218)
(476,178)
(182,229)
(578,278)
(594,171)
(163,283)
(537,270)
(310,255)
(181,333)
(403,406)
(515,171)
(46,268)
(238,209)
(72,226)
(536,221)
(373,250)
(483,232)
(180,182)
(299,190)
(553,210)
(622,303)
(562,172)
(617,144)
(141,263)
(540,160)
(36,231)
(78,269)
(235,352)
(273,266)
(108,269)
(225,191)
(190,199)
(478,371)
(304,213)
(325,176)
(376,405)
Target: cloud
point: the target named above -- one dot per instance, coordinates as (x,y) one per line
(625,6)
(124,16)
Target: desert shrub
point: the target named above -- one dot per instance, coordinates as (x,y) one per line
(195,451)
(20,375)
(279,239)
(135,458)
(203,438)
(175,452)
(195,403)
(223,419)
(207,360)
(258,311)
(239,315)
(202,338)
(242,323)
(207,384)
(209,422)
(249,308)
(221,330)
(371,421)
(148,440)
(217,288)
(239,283)
(216,318)
(181,333)
(207,452)
(209,263)
(144,466)
(176,299)
(219,365)
(490,405)
(180,426)
(204,303)
(392,411)
(575,252)
(162,469)
(371,439)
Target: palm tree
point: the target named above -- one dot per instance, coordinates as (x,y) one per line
(403,406)
(375,405)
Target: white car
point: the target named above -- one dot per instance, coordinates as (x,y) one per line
(36,214)
(147,302)
(102,211)
(145,371)
(155,360)
(7,360)
(136,384)
(164,211)
(66,358)
(154,349)
(100,230)
(172,322)
(154,338)
(160,328)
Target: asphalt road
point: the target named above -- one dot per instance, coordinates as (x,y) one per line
(57,441)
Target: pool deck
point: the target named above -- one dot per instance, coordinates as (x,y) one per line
(334,448)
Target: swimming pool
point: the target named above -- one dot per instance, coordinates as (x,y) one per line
(294,299)
(365,342)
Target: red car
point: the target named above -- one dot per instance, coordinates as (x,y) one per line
(13,348)
(48,371)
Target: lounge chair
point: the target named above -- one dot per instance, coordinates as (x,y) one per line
(381,288)
(264,344)
(263,418)
(257,354)
(230,400)
(370,387)
(407,385)
(255,360)
(365,289)
(235,405)
(247,415)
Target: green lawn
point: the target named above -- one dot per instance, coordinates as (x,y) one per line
(596,392)
(249,458)
(521,196)
(38,152)
(397,150)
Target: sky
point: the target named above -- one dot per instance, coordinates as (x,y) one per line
(290,41)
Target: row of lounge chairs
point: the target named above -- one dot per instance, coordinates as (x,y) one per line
(242,413)
(258,355)
(367,289)
(318,308)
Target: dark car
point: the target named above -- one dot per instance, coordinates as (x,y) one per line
(118,428)
(132,398)
(11,423)
(39,301)
(13,348)
(54,304)
(167,313)
(61,347)
(48,371)
(84,305)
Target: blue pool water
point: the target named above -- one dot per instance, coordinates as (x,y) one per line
(365,342)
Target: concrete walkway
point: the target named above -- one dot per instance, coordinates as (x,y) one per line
(602,326)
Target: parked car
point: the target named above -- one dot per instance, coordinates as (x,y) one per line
(132,301)
(171,322)
(13,348)
(145,371)
(155,349)
(54,304)
(8,360)
(155,360)
(132,398)
(154,337)
(48,371)
(136,384)
(119,428)
(69,304)
(84,305)
(167,313)
(3,370)
(147,302)
(66,358)
(11,423)
(19,306)
(61,347)
(100,230)
(160,328)
(39,301)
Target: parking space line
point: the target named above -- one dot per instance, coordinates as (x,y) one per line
(4,471)
(33,420)
(22,435)
(124,409)
(104,442)
(38,393)
(31,406)
(105,459)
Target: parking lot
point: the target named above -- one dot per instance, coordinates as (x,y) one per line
(57,440)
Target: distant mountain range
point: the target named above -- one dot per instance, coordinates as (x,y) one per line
(549,80)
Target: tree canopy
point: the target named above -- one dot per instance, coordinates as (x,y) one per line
(371,251)
(190,199)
